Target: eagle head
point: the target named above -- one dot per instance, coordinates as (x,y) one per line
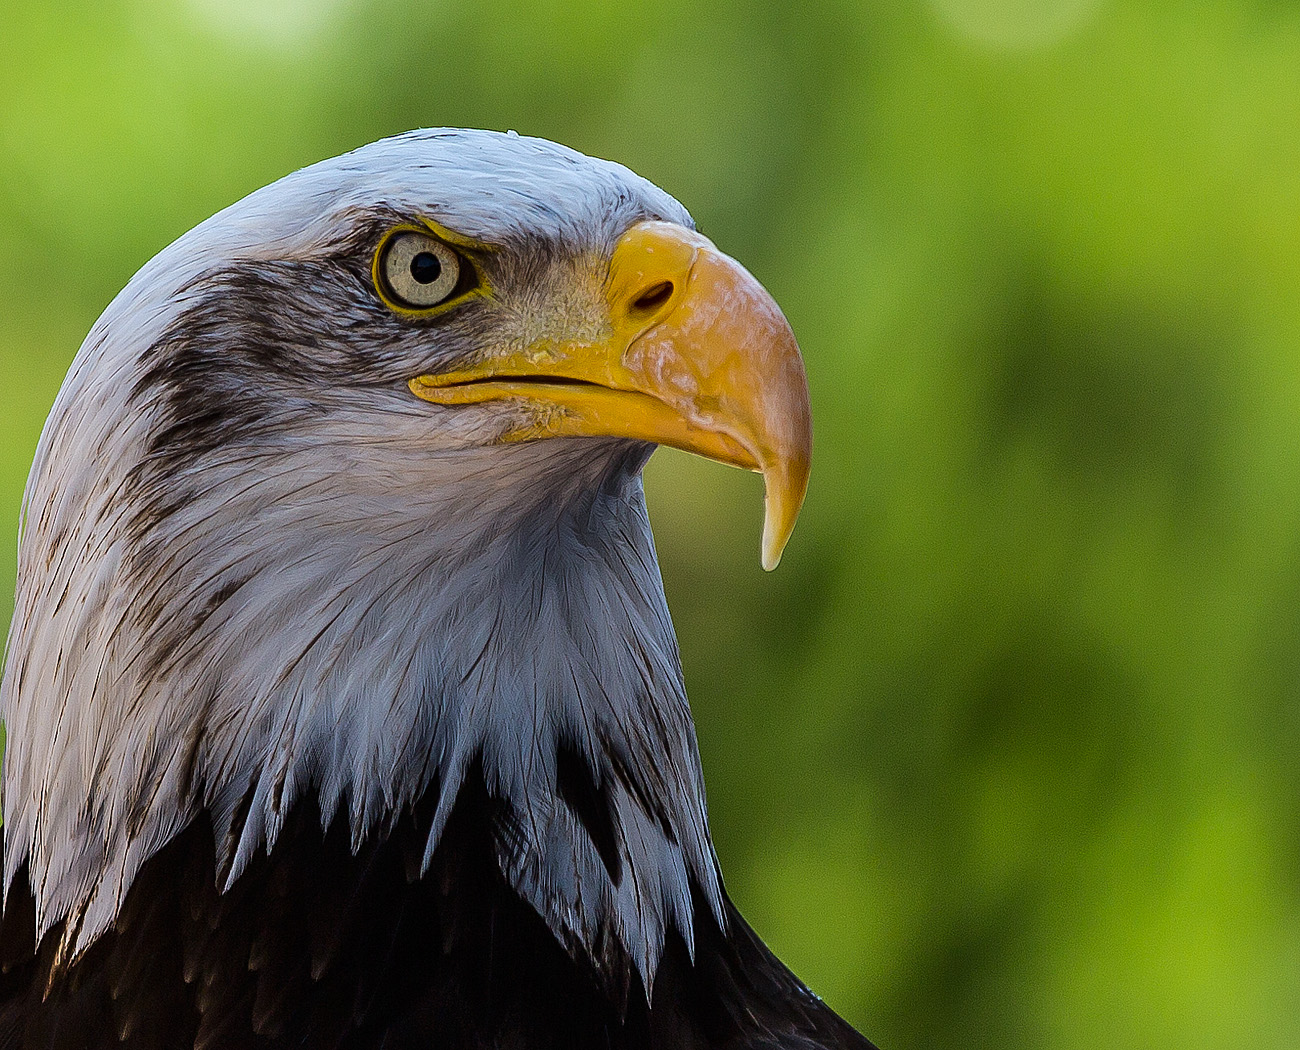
(341,500)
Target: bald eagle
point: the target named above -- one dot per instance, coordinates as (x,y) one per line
(344,707)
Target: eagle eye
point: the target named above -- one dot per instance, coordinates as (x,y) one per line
(416,271)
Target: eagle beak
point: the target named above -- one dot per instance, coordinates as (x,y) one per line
(698,356)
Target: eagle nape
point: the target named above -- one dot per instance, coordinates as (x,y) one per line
(344,708)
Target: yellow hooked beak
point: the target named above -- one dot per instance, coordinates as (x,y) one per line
(699,357)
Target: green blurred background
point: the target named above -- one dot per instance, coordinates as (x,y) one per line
(1005,753)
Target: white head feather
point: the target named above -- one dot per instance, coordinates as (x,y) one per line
(291,586)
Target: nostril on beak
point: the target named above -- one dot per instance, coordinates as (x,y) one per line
(652,298)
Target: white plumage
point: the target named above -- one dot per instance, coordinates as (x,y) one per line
(324,675)
(294,554)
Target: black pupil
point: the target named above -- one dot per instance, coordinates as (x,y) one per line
(426,268)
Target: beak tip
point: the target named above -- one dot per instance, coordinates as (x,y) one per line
(777,528)
(785,483)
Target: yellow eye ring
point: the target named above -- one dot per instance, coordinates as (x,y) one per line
(417,272)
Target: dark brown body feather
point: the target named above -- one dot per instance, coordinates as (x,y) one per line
(314,947)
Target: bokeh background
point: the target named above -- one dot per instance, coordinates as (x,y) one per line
(1005,754)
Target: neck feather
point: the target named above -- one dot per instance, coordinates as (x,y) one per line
(285,630)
